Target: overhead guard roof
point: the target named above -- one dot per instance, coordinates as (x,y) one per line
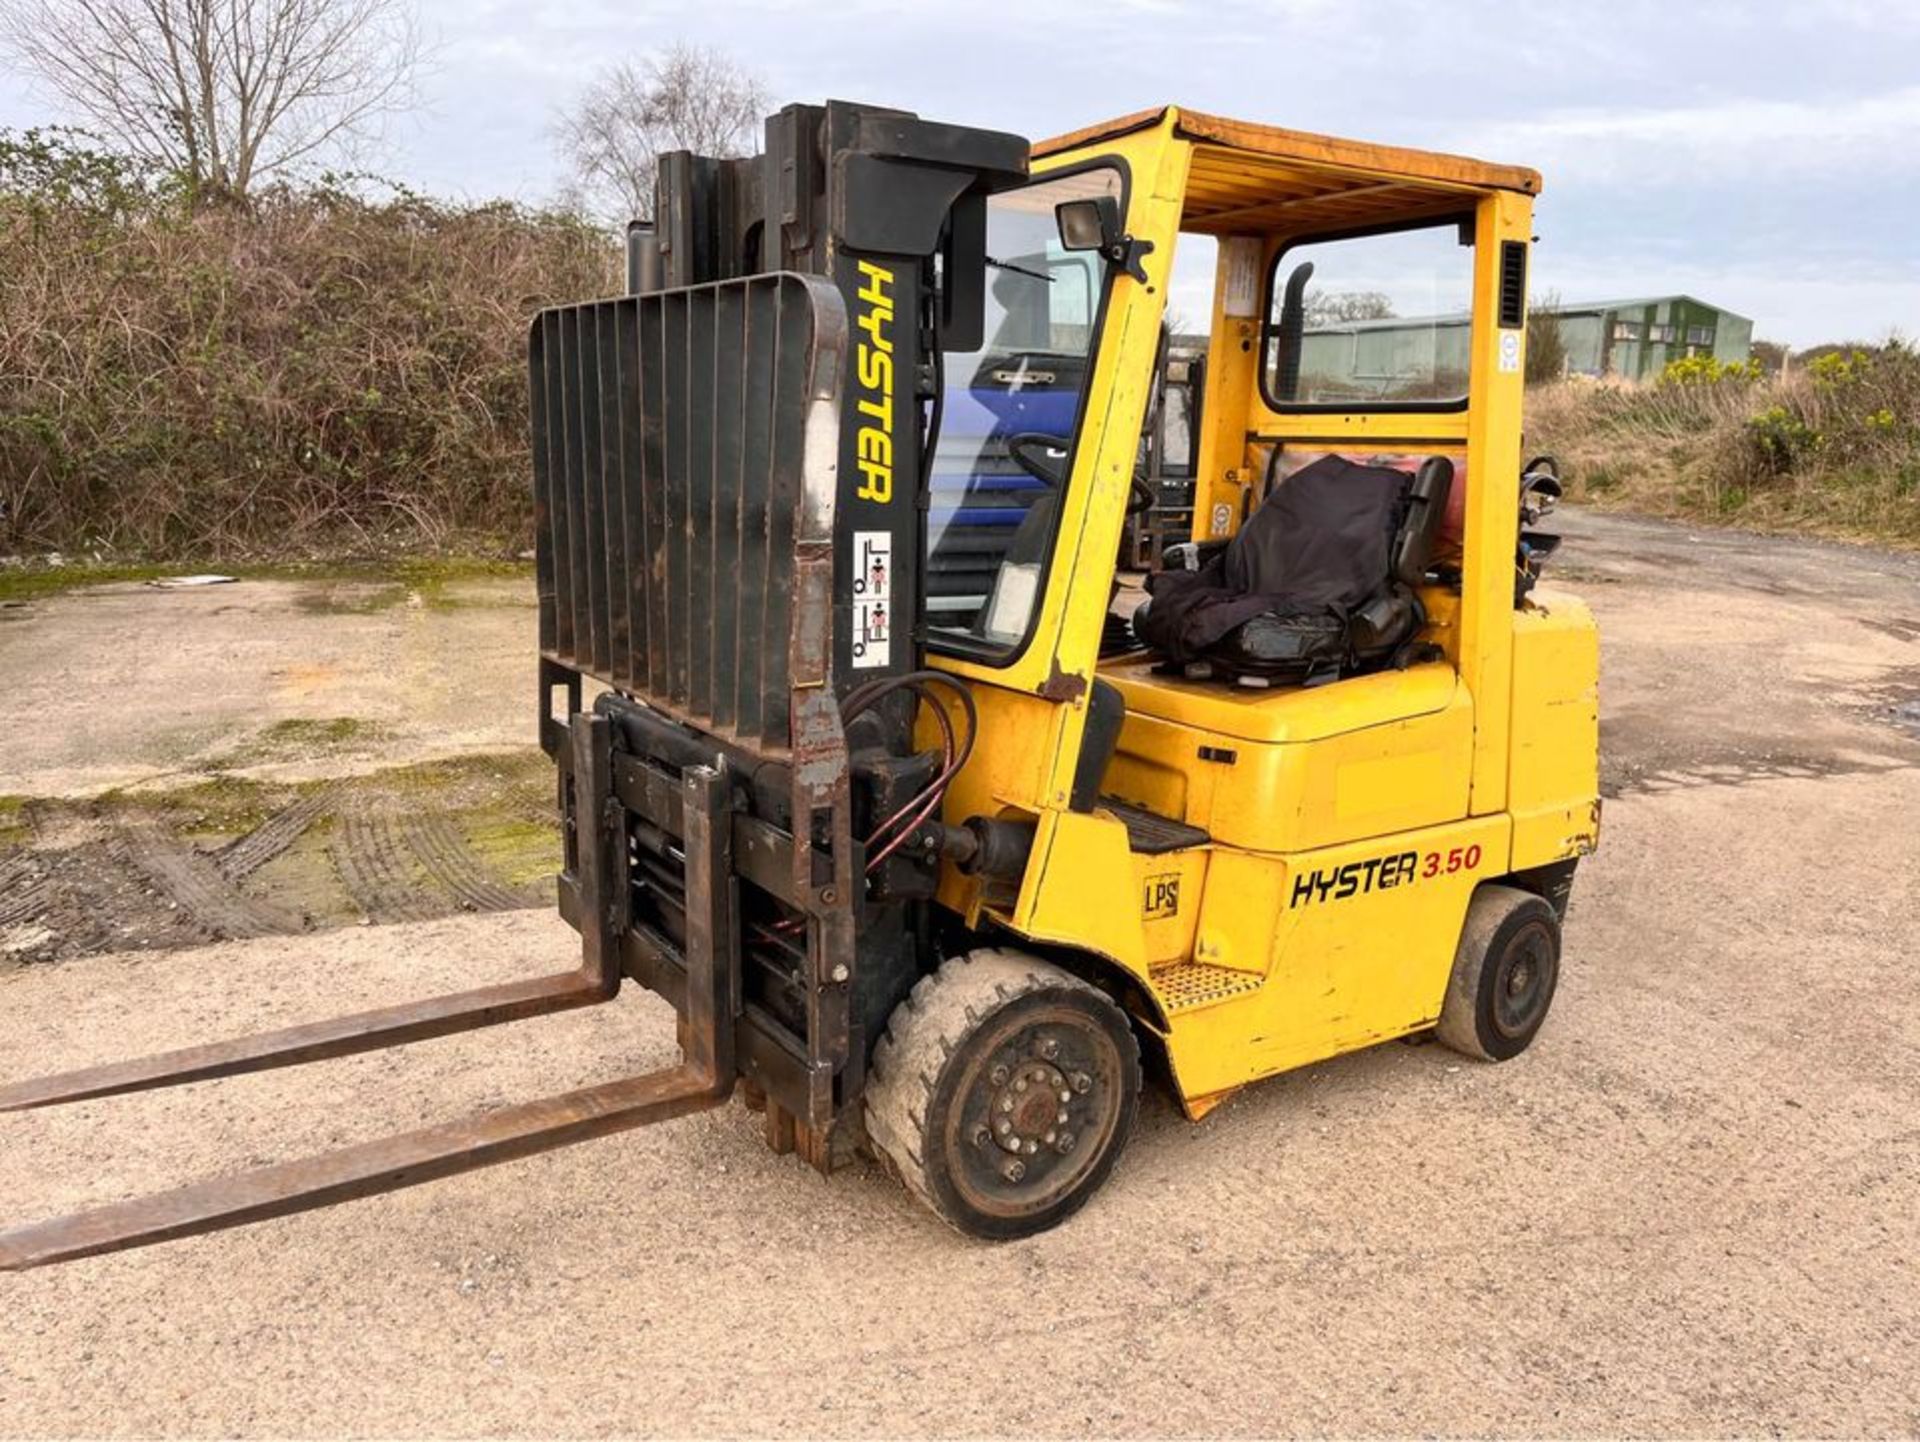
(1250,179)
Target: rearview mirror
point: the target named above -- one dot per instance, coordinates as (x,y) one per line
(1092,224)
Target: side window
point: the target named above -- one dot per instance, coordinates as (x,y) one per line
(1371,322)
(1176,443)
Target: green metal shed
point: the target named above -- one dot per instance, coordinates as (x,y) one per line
(1630,338)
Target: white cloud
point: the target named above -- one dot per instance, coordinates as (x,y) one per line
(1752,139)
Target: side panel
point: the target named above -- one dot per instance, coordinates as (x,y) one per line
(1384,779)
(1080,889)
(1554,785)
(1359,940)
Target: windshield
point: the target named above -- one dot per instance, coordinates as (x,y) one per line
(1011,410)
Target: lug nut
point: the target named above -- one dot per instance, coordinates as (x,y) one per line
(1020,1085)
(1065,1144)
(1082,1083)
(1062,1117)
(998,1076)
(981,1136)
(1006,1104)
(1032,1147)
(1014,1170)
(1066,1097)
(1048,1048)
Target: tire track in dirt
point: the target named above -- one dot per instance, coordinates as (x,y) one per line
(23,890)
(274,835)
(198,885)
(373,866)
(1740,772)
(450,862)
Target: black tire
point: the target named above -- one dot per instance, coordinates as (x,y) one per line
(955,1101)
(1505,972)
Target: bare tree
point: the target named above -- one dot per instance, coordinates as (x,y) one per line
(224,92)
(1546,341)
(1336,307)
(687,98)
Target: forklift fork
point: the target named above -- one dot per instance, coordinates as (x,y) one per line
(704,1078)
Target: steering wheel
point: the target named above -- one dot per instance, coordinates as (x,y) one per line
(1051,469)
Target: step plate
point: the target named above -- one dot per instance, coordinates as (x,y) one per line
(1190,985)
(1152,835)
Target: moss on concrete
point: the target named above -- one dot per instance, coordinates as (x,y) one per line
(350,587)
(14,828)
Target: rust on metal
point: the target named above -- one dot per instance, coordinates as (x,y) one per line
(1062,685)
(601,850)
(778,1129)
(711,912)
(315,1041)
(359,1171)
(822,808)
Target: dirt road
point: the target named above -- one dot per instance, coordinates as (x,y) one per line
(1691,1208)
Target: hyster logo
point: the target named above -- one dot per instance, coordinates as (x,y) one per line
(1356,878)
(875,365)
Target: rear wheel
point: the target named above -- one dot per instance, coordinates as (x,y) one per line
(1505,972)
(1003,1092)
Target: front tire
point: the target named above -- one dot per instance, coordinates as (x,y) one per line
(1505,972)
(1004,1092)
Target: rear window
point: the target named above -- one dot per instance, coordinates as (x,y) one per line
(1371,322)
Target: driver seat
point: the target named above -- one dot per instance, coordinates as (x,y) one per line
(1321,583)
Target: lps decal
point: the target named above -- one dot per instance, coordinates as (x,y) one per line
(1162,896)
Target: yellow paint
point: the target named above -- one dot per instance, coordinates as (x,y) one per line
(1347,824)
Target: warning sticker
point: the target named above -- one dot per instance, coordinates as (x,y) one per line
(872,598)
(1509,352)
(1243,276)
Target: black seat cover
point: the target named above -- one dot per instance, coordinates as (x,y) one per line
(1314,552)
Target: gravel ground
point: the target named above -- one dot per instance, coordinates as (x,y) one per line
(1689,1209)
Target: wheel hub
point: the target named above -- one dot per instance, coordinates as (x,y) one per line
(1524,980)
(1032,1108)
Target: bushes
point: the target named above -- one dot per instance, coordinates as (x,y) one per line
(1705,369)
(318,371)
(1834,446)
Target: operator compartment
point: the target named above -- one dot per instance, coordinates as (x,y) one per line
(1294,768)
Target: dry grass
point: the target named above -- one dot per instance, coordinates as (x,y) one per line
(321,371)
(1832,449)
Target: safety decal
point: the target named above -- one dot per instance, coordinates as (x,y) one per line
(872,598)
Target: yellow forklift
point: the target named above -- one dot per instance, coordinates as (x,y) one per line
(863,767)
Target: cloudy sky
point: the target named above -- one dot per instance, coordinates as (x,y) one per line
(1762,156)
